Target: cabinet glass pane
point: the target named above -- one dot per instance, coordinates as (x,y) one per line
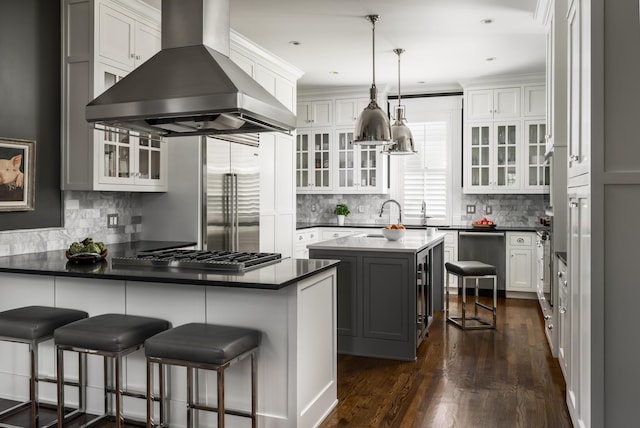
(475,136)
(533,155)
(475,156)
(533,175)
(123,161)
(511,134)
(475,177)
(501,156)
(485,135)
(155,165)
(501,176)
(484,177)
(511,155)
(484,156)
(109,160)
(502,137)
(143,163)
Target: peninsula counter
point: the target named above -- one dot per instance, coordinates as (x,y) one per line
(292,302)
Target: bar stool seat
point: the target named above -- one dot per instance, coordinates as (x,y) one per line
(32,325)
(472,270)
(112,336)
(202,346)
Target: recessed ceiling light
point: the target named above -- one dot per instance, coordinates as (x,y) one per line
(334,72)
(491,58)
(486,21)
(421,81)
(294,43)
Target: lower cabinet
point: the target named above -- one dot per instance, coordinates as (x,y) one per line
(521,253)
(386,299)
(564,327)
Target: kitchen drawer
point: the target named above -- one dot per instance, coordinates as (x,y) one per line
(332,234)
(307,236)
(521,240)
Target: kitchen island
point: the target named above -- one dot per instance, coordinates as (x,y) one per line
(387,291)
(292,302)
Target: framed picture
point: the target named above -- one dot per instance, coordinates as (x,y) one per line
(17,174)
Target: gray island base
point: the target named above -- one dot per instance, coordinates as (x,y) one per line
(387,291)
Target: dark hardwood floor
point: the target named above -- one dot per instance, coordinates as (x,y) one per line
(482,378)
(503,378)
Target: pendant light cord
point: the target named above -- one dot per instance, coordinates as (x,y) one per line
(373,33)
(398,51)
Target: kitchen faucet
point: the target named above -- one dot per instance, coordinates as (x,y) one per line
(399,209)
(425,217)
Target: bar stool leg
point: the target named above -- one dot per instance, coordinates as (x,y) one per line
(495,299)
(464,302)
(189,397)
(119,418)
(254,381)
(33,382)
(221,398)
(150,395)
(475,306)
(60,386)
(446,295)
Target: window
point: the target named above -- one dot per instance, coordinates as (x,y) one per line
(426,178)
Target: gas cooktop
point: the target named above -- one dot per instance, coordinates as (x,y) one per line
(228,261)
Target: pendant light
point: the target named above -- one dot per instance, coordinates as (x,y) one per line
(372,127)
(402,143)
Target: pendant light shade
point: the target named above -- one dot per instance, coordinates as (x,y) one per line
(372,126)
(402,139)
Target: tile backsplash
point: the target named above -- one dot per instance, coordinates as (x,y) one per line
(85,214)
(506,210)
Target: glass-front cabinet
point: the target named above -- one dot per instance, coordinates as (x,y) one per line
(313,161)
(491,154)
(536,169)
(330,163)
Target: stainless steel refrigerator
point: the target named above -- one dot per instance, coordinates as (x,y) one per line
(231,197)
(213,197)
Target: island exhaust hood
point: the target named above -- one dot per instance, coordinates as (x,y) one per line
(191,87)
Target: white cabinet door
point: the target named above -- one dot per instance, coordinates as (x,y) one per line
(500,103)
(147,42)
(536,172)
(115,36)
(578,137)
(314,161)
(564,315)
(315,114)
(358,168)
(520,262)
(348,110)
(534,101)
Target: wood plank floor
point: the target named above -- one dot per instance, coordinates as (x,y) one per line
(503,378)
(482,378)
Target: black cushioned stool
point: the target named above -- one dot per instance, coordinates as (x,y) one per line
(113,336)
(32,325)
(472,270)
(202,346)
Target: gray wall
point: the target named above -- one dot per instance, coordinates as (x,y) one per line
(30,100)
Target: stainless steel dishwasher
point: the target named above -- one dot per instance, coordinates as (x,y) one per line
(486,247)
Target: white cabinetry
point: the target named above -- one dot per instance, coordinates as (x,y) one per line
(564,315)
(305,237)
(311,114)
(348,110)
(451,255)
(494,104)
(326,161)
(521,262)
(504,143)
(124,34)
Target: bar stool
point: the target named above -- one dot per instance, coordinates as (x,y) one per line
(201,346)
(32,325)
(113,336)
(472,270)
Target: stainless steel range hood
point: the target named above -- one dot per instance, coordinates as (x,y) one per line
(191,87)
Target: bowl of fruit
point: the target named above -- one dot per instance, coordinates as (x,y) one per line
(483,223)
(393,232)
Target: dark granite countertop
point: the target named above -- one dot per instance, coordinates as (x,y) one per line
(466,228)
(271,277)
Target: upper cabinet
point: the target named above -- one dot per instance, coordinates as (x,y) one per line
(504,140)
(125,33)
(125,39)
(348,110)
(314,114)
(493,104)
(326,161)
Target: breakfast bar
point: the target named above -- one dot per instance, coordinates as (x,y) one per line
(292,302)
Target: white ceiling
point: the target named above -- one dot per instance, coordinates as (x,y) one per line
(444,40)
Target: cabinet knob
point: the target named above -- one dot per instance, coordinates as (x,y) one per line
(138,56)
(573,204)
(574,158)
(547,317)
(562,309)
(312,235)
(550,327)
(132,55)
(520,240)
(299,238)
